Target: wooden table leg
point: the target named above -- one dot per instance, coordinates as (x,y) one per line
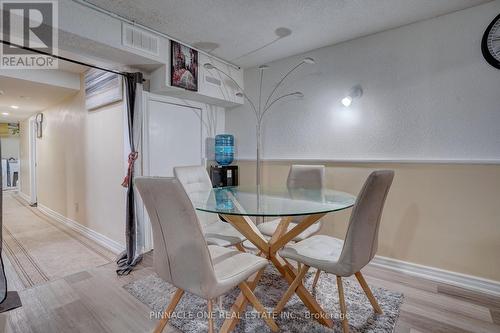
(244,225)
(309,301)
(280,230)
(280,238)
(248,229)
(277,241)
(288,236)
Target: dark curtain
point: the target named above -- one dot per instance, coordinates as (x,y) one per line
(3,278)
(134,242)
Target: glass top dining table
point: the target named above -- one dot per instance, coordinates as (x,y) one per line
(237,204)
(270,201)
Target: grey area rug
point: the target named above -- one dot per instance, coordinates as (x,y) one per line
(190,314)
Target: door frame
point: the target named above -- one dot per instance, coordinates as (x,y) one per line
(145,147)
(32,157)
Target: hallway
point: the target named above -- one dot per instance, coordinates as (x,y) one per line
(38,249)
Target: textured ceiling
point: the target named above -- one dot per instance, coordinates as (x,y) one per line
(29,96)
(244,31)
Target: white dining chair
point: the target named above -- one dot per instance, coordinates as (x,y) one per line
(300,177)
(348,257)
(182,256)
(216,231)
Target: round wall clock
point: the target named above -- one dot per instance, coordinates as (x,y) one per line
(491,43)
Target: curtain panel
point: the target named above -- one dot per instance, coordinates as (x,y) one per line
(133,222)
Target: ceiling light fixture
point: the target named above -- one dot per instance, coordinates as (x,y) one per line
(14,107)
(346,101)
(309,60)
(5,113)
(355,92)
(208,66)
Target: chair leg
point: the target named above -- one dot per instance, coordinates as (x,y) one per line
(292,267)
(343,310)
(210,317)
(291,290)
(316,278)
(368,293)
(245,289)
(168,311)
(240,247)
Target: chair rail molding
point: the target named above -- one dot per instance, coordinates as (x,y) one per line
(377,160)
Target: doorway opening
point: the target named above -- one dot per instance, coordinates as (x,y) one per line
(9,133)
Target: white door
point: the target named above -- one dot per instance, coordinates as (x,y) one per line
(172,136)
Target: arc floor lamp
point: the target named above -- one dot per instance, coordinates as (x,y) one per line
(260,109)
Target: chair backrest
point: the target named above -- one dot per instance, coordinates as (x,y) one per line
(305,177)
(194,179)
(181,254)
(361,240)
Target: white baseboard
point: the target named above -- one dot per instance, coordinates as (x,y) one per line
(469,282)
(100,239)
(24,196)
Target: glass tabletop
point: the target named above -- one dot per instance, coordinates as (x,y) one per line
(261,201)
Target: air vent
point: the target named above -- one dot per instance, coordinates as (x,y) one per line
(213,81)
(139,39)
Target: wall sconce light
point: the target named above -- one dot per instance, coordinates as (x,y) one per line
(355,92)
(38,124)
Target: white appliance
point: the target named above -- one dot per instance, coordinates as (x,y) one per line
(13,169)
(4,172)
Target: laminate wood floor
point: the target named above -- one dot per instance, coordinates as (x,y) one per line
(94,301)
(41,249)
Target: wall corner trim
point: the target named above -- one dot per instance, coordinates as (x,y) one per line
(469,282)
(100,239)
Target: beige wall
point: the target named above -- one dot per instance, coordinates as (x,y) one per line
(440,215)
(61,159)
(105,169)
(80,165)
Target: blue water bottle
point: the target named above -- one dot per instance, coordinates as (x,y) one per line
(224,149)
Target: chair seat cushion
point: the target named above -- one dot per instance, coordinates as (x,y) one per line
(319,251)
(251,246)
(268,229)
(232,267)
(222,234)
